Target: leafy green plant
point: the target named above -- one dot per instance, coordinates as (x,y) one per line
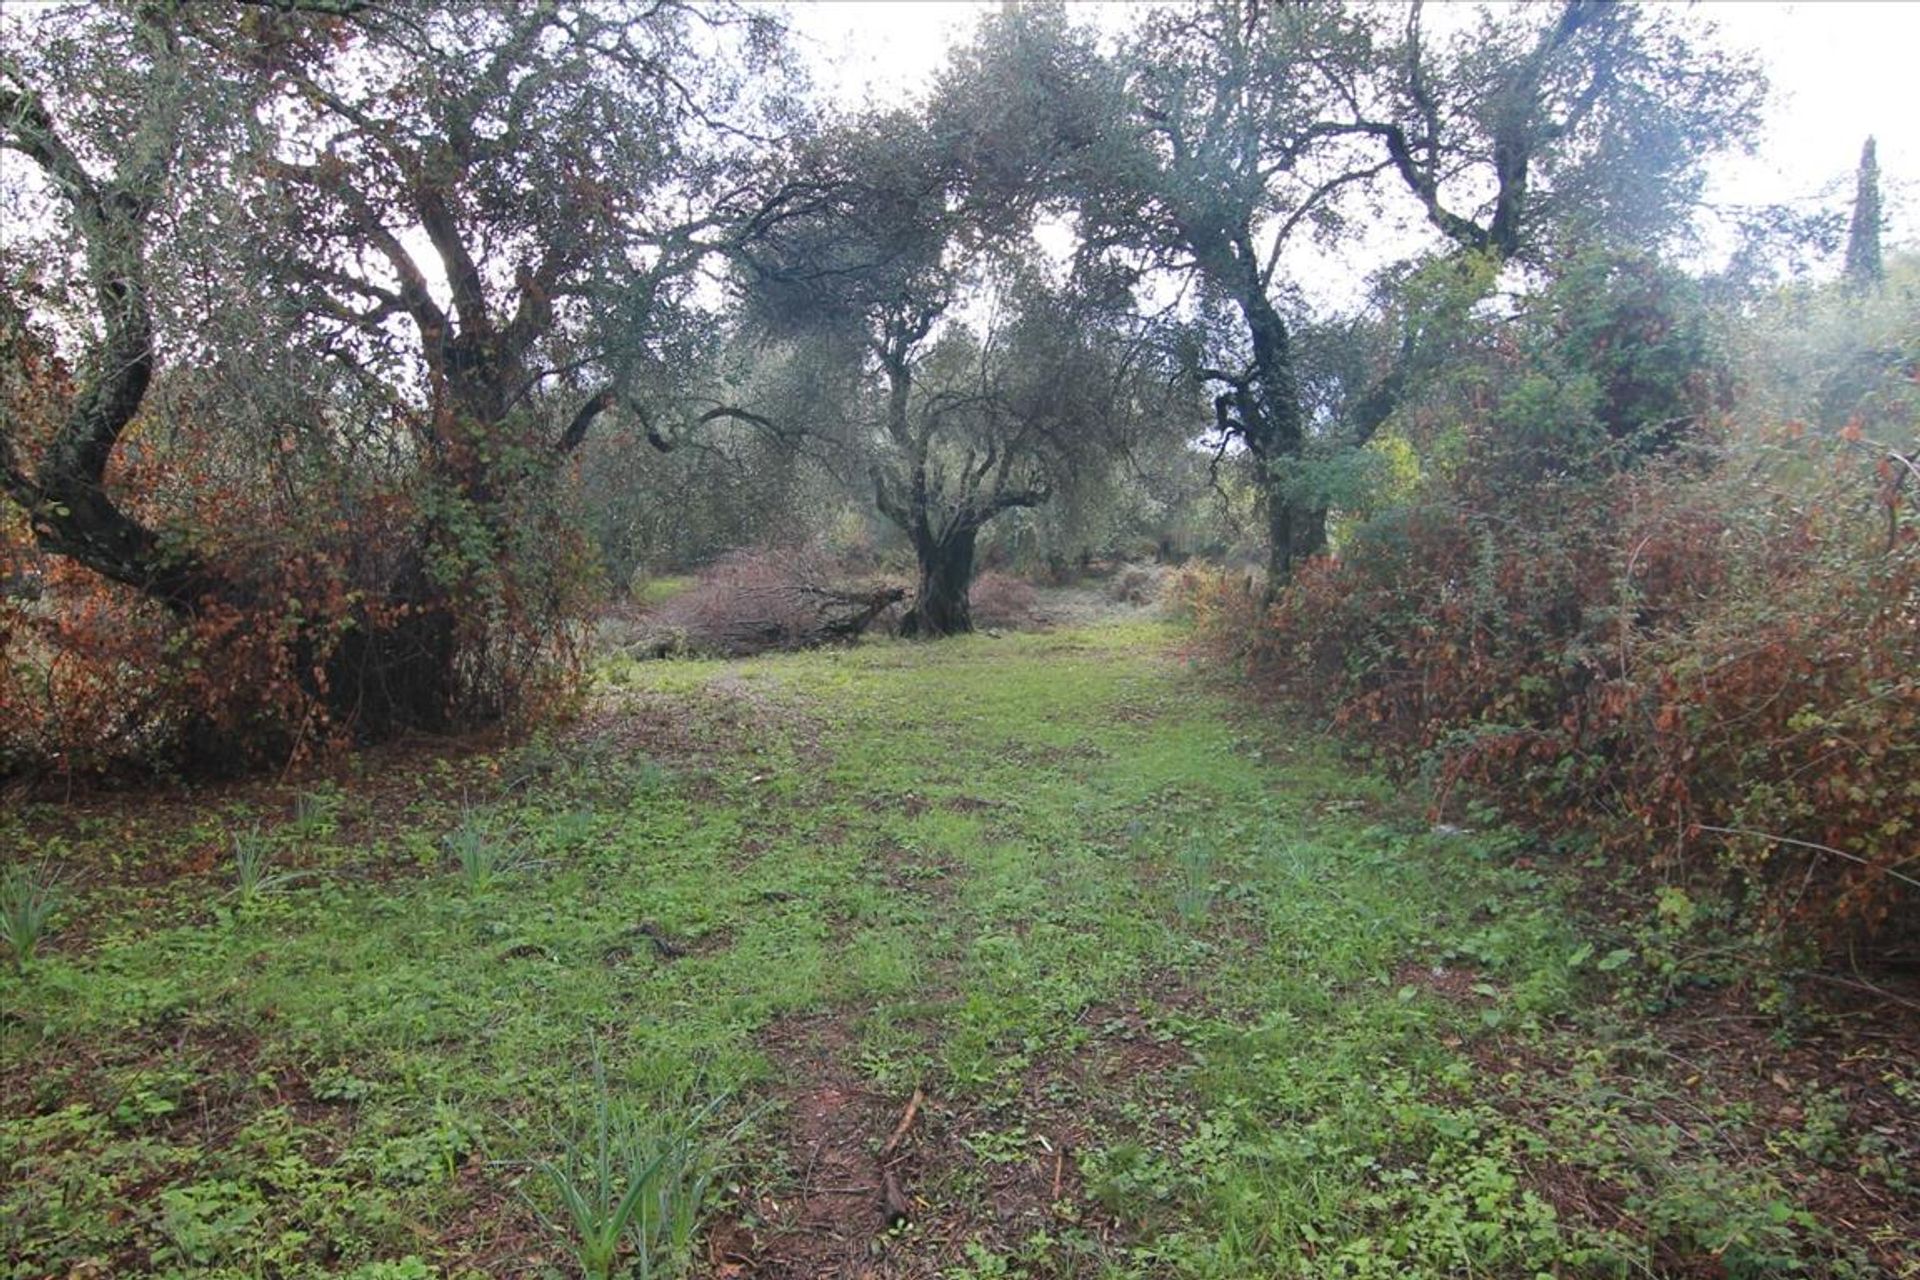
(29,900)
(209,1223)
(631,1180)
(478,854)
(253,873)
(316,814)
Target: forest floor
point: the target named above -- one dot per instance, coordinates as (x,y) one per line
(1035,955)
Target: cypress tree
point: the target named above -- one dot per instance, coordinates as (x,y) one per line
(1864,269)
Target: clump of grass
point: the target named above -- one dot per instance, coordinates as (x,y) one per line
(253,873)
(315,815)
(631,1181)
(1194,898)
(29,900)
(477,853)
(572,829)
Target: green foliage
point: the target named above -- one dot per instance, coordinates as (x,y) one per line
(339,523)
(1864,266)
(478,852)
(633,1180)
(1266,1021)
(253,873)
(1654,635)
(316,815)
(30,898)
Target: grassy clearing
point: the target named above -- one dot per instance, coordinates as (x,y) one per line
(657,591)
(1177,994)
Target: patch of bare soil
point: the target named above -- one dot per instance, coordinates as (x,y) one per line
(149,842)
(495,1232)
(1129,1047)
(970,804)
(934,876)
(883,1186)
(1044,757)
(664,728)
(1457,985)
(727,720)
(829,1214)
(891,1188)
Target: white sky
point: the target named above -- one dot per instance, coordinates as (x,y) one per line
(1840,71)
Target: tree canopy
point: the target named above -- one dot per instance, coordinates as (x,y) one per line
(312,308)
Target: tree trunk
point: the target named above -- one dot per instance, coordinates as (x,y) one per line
(1279,541)
(940,606)
(1274,426)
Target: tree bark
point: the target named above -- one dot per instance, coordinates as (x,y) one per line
(941,606)
(1274,428)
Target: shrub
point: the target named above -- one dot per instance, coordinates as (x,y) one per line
(1004,602)
(765,599)
(1139,584)
(334,637)
(333,603)
(1223,605)
(1633,620)
(1718,678)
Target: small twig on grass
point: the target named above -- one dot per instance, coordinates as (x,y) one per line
(906,1122)
(667,948)
(1059,1172)
(893,1200)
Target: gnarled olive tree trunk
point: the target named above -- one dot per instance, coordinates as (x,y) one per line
(941,604)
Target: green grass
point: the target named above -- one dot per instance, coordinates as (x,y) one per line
(657,591)
(1232,996)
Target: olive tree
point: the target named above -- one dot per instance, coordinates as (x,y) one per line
(973,383)
(486,220)
(1236,132)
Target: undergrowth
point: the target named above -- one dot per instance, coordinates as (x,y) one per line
(1184,995)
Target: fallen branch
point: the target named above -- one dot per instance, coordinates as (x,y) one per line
(1882,868)
(906,1122)
(1880,992)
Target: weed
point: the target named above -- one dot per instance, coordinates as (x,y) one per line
(571,830)
(29,900)
(253,873)
(1193,900)
(631,1180)
(316,815)
(478,854)
(209,1223)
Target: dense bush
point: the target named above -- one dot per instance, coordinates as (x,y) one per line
(342,632)
(1707,659)
(406,604)
(1005,602)
(763,599)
